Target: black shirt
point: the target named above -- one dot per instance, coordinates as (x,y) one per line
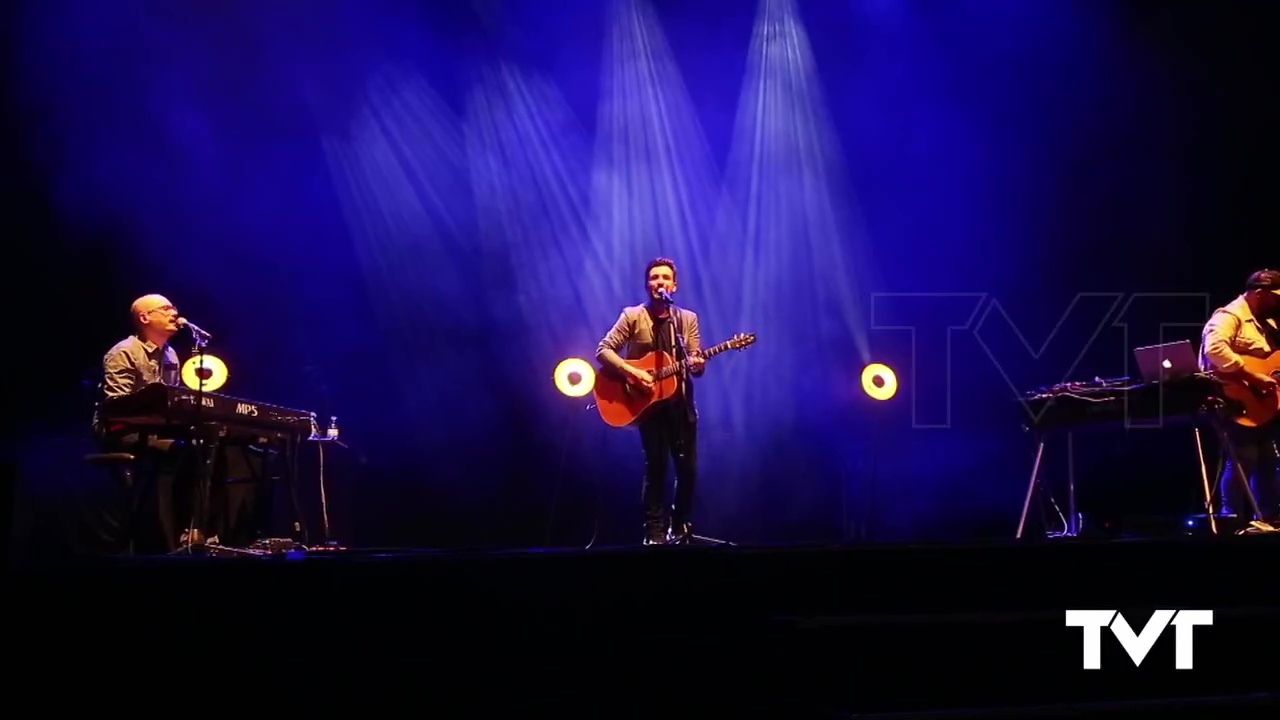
(664,339)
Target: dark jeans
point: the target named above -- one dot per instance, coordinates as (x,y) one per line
(1255,448)
(150,508)
(669,432)
(147,508)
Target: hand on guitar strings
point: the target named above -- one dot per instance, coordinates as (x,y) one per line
(642,377)
(1262,384)
(696,361)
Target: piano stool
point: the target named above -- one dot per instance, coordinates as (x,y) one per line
(123,462)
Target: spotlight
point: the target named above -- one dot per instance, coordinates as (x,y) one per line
(212,371)
(879,382)
(575,377)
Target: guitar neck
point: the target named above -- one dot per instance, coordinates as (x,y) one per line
(707,354)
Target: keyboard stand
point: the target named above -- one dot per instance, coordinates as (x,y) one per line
(1209,414)
(1210,490)
(1072,520)
(1212,417)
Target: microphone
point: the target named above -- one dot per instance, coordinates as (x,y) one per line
(195,329)
(665,296)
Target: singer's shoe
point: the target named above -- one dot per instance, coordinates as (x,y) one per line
(656,523)
(655,534)
(681,534)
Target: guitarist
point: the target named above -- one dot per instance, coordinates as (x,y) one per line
(1247,326)
(669,429)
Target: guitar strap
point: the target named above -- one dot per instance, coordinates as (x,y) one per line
(677,334)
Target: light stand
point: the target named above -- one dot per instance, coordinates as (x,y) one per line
(570,433)
(682,357)
(866,531)
(879,385)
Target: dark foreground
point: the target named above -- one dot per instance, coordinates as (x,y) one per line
(787,632)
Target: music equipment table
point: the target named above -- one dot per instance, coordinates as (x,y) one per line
(1119,402)
(1124,402)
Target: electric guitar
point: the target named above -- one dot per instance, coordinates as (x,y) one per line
(1249,407)
(621,399)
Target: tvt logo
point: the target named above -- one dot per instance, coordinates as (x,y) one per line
(1138,645)
(1026,347)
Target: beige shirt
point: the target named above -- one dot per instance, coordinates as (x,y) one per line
(1232,331)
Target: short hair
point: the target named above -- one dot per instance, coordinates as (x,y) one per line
(1263,280)
(659,262)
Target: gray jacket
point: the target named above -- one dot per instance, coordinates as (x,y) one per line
(631,336)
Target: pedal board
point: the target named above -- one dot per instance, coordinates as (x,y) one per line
(273,546)
(1257,527)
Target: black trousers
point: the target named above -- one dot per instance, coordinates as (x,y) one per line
(148,509)
(669,434)
(1255,448)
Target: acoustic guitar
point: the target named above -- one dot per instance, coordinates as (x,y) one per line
(1249,407)
(621,400)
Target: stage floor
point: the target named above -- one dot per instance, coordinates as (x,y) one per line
(865,629)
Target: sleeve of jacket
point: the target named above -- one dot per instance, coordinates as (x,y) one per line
(1216,340)
(693,339)
(613,341)
(117,373)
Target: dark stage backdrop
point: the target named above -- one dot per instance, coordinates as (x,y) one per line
(406,214)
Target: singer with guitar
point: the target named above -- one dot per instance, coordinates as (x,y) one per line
(668,428)
(1241,345)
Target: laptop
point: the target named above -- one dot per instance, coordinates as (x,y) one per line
(1169,361)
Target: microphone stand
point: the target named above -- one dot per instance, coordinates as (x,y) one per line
(682,357)
(205,440)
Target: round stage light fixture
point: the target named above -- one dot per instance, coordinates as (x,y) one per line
(879,381)
(575,377)
(207,368)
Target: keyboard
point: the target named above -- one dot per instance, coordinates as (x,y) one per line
(160,405)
